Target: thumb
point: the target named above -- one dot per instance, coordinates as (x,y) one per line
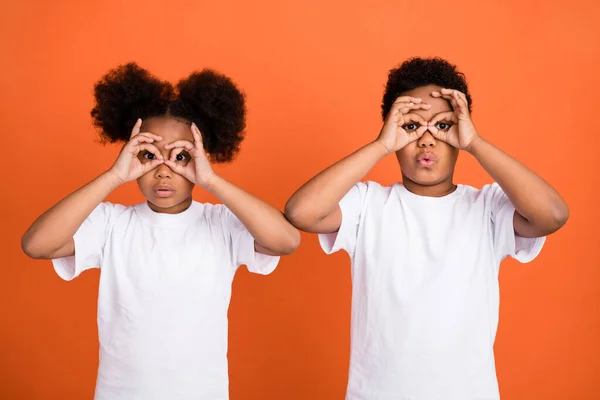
(175,167)
(147,167)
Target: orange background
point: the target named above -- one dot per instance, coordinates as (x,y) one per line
(314,73)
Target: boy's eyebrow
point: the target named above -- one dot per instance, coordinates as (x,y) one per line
(441,112)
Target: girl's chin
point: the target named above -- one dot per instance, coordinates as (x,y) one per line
(169,204)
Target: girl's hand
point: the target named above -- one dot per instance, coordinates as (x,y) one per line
(454,127)
(190,160)
(400,127)
(128,166)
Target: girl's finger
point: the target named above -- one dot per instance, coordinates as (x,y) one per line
(136,128)
(177,168)
(149,148)
(198,140)
(140,139)
(177,151)
(186,144)
(151,165)
(151,135)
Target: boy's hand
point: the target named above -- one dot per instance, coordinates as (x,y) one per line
(400,127)
(454,127)
(128,166)
(194,166)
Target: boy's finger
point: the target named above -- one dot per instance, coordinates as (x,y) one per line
(445,116)
(407,99)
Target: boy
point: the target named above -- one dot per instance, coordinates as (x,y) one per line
(425,252)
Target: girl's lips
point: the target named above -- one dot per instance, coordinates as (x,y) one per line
(163,191)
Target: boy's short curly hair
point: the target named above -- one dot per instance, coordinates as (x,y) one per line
(209,99)
(417,72)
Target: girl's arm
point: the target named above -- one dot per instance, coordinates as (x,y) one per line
(272,233)
(315,206)
(51,235)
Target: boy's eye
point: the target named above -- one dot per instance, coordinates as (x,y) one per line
(149,156)
(180,157)
(410,127)
(443,126)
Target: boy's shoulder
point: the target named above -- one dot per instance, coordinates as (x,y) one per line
(488,193)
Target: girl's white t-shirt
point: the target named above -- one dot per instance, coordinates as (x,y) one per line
(165,287)
(425,294)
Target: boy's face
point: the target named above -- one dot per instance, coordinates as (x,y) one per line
(442,157)
(166,191)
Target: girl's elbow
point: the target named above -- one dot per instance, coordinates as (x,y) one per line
(291,244)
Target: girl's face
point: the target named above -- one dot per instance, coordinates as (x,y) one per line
(437,177)
(166,191)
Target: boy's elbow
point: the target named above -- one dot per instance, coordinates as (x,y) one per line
(552,221)
(29,248)
(560,216)
(298,216)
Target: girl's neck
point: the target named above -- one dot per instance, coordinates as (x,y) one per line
(176,209)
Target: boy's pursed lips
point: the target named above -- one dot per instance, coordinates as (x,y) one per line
(426,159)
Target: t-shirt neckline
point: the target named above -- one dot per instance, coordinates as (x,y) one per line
(165,220)
(450,196)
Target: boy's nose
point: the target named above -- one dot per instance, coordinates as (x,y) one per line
(427,140)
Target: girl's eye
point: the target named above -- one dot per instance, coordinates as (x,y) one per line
(149,156)
(443,126)
(410,127)
(180,157)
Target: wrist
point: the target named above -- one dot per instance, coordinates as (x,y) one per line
(112,178)
(209,182)
(380,148)
(475,145)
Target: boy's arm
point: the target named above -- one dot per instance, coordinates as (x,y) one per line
(51,235)
(315,206)
(540,210)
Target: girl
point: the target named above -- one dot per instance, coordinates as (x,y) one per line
(167,264)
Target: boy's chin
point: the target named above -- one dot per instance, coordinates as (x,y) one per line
(428,180)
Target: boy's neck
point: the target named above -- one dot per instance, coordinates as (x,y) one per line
(440,189)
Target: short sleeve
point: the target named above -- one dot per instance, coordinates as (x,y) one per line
(89,244)
(351,207)
(505,241)
(241,245)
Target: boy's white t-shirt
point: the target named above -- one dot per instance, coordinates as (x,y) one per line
(425,294)
(165,287)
